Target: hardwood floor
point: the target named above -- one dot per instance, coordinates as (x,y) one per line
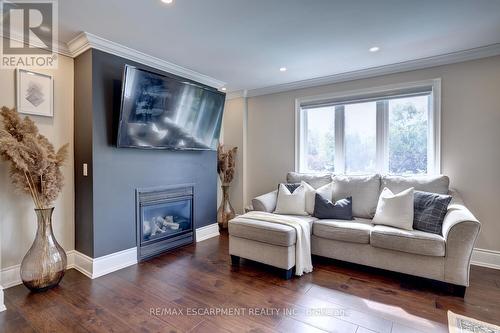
(176,291)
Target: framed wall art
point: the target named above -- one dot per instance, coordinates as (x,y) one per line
(35,92)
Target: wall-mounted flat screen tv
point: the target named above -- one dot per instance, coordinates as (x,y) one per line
(168,112)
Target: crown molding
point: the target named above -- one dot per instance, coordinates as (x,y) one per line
(84,41)
(445,59)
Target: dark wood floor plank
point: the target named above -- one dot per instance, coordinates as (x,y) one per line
(149,304)
(93,317)
(11,320)
(200,276)
(122,304)
(43,311)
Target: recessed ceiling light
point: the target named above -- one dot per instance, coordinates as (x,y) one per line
(283,69)
(223,89)
(167,1)
(374,49)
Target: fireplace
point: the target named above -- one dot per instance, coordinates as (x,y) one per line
(164,219)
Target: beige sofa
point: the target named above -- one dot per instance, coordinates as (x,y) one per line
(443,257)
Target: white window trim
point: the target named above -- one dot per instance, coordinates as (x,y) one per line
(434,118)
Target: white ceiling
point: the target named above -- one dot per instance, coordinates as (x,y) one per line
(245,42)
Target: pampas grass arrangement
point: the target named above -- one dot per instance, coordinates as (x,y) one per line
(35,166)
(226,163)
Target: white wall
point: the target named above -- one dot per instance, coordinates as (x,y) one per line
(470,135)
(17,218)
(233,136)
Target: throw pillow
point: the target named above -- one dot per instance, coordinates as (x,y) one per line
(325,209)
(395,210)
(290,186)
(429,211)
(291,203)
(326,191)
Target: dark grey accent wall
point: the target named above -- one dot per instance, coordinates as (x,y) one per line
(84,240)
(117,172)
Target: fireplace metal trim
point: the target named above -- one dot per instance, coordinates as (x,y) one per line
(151,248)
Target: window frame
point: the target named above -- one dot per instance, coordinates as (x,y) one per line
(382,119)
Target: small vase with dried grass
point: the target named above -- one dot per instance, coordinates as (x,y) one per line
(35,169)
(226,164)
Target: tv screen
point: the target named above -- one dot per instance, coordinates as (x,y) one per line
(163,112)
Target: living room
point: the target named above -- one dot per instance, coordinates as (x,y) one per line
(269,166)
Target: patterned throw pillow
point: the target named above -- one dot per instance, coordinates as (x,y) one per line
(429,211)
(290,186)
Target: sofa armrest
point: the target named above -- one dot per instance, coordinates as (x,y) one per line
(265,202)
(460,230)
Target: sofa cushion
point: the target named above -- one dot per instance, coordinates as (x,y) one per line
(356,231)
(364,191)
(266,232)
(315,180)
(434,184)
(410,241)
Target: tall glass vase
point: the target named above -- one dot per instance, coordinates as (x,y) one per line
(225,211)
(44,265)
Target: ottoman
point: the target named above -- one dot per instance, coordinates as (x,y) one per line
(265,242)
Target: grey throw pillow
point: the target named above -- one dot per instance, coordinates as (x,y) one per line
(429,211)
(325,209)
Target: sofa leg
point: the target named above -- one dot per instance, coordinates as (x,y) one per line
(235,260)
(287,273)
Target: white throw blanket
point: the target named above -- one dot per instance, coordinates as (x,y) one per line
(303,262)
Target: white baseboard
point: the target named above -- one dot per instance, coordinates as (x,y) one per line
(113,262)
(206,232)
(486,258)
(89,267)
(11,276)
(96,267)
(2,305)
(83,264)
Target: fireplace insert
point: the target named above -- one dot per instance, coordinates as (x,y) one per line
(164,219)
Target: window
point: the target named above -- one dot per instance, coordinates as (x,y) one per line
(319,150)
(408,135)
(393,130)
(360,137)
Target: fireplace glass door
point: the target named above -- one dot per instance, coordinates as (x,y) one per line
(166,219)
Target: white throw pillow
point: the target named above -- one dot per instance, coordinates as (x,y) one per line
(326,191)
(395,210)
(291,203)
